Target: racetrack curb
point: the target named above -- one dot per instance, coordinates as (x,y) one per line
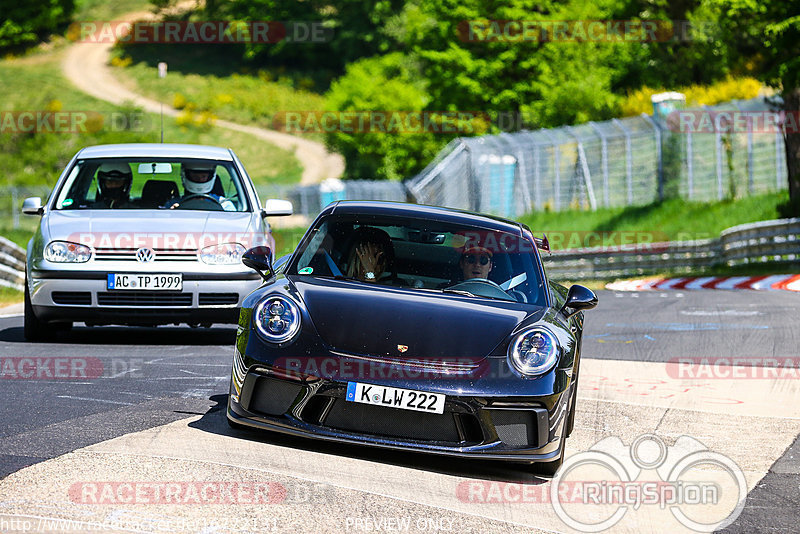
(778,282)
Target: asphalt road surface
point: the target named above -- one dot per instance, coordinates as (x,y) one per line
(107,407)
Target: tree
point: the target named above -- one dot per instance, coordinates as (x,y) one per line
(27,23)
(767,35)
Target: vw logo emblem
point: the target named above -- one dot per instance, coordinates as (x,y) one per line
(145,255)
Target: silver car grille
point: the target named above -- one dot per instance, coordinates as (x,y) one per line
(129,254)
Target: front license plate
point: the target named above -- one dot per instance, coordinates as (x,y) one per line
(149,282)
(407,399)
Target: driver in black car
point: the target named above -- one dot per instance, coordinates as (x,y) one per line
(198,181)
(476,262)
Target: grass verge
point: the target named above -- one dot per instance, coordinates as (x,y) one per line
(9,296)
(38,158)
(203,79)
(671,220)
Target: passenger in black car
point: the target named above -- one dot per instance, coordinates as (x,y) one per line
(371,257)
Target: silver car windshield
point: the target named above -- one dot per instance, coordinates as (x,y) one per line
(155,183)
(424,256)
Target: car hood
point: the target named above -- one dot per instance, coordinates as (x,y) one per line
(357,318)
(101,228)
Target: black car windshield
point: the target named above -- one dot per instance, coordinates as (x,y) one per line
(423,255)
(152,183)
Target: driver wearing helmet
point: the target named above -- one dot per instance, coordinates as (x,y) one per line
(114,186)
(198,181)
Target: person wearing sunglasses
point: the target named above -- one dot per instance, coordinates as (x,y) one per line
(476,262)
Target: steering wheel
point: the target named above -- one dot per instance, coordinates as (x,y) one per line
(482,287)
(198,198)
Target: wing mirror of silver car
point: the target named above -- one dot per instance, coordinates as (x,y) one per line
(579,298)
(32,206)
(260,260)
(276,207)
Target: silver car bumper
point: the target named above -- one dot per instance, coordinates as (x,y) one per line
(82,296)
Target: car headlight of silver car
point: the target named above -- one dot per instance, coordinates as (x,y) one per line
(533,351)
(224,254)
(277,318)
(67,252)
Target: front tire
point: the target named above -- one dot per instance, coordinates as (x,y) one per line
(34,329)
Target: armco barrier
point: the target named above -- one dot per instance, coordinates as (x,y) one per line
(776,241)
(762,242)
(12,264)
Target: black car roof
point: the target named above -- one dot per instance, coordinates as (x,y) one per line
(420,211)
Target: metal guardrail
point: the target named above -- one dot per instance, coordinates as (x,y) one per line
(776,241)
(12,264)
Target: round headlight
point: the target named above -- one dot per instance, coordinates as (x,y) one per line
(67,252)
(534,351)
(277,318)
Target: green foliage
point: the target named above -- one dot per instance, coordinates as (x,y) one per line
(380,85)
(354,23)
(26,23)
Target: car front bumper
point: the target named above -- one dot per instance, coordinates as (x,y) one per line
(497,427)
(83,297)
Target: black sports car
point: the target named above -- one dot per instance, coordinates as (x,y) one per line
(416,328)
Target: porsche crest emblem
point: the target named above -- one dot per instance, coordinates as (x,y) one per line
(402,348)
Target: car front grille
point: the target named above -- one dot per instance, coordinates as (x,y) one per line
(218,299)
(129,254)
(72,298)
(392,422)
(143,298)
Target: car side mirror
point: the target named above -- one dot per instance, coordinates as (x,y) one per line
(579,298)
(260,260)
(276,207)
(32,206)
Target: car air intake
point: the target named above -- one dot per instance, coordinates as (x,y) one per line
(218,299)
(144,298)
(272,396)
(72,298)
(516,428)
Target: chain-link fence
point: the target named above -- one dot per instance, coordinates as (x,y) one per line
(309,200)
(621,162)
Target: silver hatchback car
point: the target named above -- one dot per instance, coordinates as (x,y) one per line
(144,234)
